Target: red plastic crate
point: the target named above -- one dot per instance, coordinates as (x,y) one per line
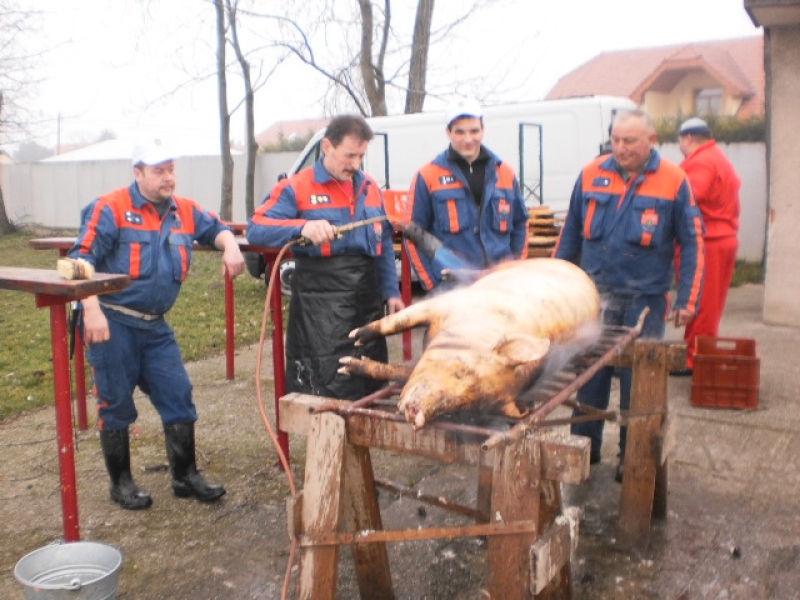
(726,373)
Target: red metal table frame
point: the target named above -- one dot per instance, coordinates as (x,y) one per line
(53,291)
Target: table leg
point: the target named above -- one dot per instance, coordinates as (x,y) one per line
(66,440)
(80,381)
(278,359)
(230,340)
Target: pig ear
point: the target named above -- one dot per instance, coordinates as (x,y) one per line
(523,348)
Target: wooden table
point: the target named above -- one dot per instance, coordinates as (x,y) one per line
(53,291)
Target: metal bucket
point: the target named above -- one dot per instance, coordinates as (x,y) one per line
(72,571)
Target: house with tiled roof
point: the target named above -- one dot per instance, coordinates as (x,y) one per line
(723,78)
(290,130)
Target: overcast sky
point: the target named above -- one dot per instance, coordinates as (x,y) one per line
(113,61)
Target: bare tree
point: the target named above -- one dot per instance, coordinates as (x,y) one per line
(249,103)
(418,67)
(5,224)
(363,73)
(226,191)
(16,83)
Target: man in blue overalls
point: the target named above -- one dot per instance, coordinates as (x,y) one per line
(147,233)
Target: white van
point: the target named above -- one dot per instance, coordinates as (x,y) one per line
(546,142)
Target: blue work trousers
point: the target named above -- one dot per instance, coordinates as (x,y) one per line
(619,311)
(148,357)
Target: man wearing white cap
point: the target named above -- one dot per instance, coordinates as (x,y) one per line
(716,191)
(146,232)
(469,199)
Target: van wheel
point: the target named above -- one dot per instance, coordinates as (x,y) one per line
(286,273)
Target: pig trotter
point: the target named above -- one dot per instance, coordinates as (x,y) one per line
(364,367)
(364,335)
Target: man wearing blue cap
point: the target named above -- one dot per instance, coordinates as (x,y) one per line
(716,191)
(146,232)
(469,199)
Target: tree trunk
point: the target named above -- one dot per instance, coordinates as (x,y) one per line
(415,97)
(372,70)
(226,200)
(252,145)
(5,225)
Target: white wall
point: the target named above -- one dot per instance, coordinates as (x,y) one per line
(750,162)
(52,194)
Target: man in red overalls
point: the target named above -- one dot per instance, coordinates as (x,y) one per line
(716,191)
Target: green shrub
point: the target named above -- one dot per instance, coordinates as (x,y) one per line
(724,129)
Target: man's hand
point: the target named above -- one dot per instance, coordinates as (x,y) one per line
(318,232)
(95,324)
(394,305)
(232,259)
(682,317)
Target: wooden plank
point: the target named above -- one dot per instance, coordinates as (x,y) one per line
(666,438)
(51,283)
(676,355)
(362,513)
(394,436)
(550,509)
(515,497)
(554,550)
(294,515)
(369,537)
(483,502)
(565,458)
(660,495)
(666,442)
(648,401)
(322,506)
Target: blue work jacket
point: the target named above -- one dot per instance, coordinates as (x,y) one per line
(441,203)
(625,233)
(314,193)
(122,233)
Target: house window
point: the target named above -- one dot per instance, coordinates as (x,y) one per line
(708,102)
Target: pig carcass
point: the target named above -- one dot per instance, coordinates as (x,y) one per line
(486,342)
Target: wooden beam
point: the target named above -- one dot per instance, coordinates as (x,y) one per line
(429,442)
(321,510)
(648,403)
(362,512)
(369,537)
(515,497)
(554,549)
(565,458)
(676,355)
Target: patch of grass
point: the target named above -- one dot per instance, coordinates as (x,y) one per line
(198,317)
(747,272)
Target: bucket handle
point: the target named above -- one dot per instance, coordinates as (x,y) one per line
(73,586)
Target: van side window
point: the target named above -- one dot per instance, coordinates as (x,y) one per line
(311,157)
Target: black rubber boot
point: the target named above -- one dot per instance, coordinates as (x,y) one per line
(117,454)
(186,480)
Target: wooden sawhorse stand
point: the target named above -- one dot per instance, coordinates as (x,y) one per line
(651,437)
(519,502)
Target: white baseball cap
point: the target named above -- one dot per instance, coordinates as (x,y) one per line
(152,152)
(694,125)
(466,107)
